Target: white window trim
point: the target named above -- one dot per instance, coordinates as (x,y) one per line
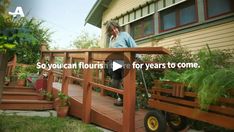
(182,1)
(137,19)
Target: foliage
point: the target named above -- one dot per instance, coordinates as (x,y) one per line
(3,5)
(21,36)
(177,54)
(43,92)
(28,50)
(31,69)
(49,96)
(22,76)
(212,80)
(64,99)
(21,72)
(46,124)
(85,41)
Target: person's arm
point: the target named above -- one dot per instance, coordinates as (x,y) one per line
(130,41)
(131,44)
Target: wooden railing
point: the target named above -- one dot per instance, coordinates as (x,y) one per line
(88,56)
(11,66)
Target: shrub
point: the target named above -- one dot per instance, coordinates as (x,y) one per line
(212,80)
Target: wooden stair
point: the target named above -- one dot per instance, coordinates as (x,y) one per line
(23,98)
(18,89)
(21,95)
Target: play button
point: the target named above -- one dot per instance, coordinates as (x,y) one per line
(117,65)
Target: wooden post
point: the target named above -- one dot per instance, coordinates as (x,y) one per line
(14,62)
(129,101)
(3,67)
(87,90)
(102,93)
(42,60)
(50,75)
(66,72)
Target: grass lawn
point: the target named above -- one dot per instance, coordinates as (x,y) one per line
(43,124)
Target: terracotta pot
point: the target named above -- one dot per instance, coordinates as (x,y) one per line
(21,82)
(62,111)
(57,103)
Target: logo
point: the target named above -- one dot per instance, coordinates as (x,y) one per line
(18,11)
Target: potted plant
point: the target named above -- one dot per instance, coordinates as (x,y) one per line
(62,104)
(49,96)
(7,81)
(42,94)
(21,79)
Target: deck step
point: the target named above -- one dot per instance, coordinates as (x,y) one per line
(21,95)
(11,104)
(19,89)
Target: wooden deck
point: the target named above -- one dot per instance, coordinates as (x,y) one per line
(92,107)
(102,109)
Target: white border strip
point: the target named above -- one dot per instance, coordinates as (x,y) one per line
(171,5)
(137,19)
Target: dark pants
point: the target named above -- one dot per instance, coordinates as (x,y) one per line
(117,77)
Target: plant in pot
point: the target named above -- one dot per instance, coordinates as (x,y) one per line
(49,96)
(42,94)
(62,104)
(7,81)
(21,79)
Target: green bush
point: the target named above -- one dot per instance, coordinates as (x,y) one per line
(31,69)
(212,80)
(22,76)
(177,54)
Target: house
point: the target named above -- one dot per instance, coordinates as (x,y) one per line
(190,23)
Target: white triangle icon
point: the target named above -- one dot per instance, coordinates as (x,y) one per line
(116,66)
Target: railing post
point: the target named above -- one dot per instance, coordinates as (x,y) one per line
(50,75)
(129,101)
(42,60)
(11,68)
(66,73)
(87,90)
(103,78)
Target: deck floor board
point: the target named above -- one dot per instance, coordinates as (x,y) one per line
(104,104)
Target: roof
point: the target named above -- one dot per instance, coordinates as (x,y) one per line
(95,14)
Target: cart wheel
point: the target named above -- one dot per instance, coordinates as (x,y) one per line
(155,122)
(176,122)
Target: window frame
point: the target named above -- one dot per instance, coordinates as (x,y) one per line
(141,22)
(222,14)
(177,11)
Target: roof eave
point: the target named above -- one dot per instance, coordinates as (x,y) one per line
(95,15)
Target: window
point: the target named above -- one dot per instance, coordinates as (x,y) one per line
(179,15)
(216,8)
(142,28)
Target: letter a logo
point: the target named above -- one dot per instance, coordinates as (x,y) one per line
(18,11)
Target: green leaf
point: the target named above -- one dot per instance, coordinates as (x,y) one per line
(9,46)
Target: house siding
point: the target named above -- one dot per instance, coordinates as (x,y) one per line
(219,36)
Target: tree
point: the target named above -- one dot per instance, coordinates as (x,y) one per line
(15,35)
(85,41)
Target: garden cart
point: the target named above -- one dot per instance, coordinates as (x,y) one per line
(173,103)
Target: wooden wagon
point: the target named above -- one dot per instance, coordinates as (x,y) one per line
(173,105)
